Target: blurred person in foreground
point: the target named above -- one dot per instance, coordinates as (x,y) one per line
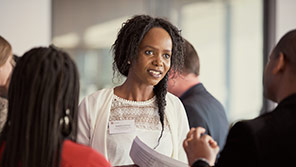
(6,67)
(41,125)
(268,140)
(202,108)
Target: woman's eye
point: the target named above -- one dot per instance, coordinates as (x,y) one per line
(148,52)
(167,56)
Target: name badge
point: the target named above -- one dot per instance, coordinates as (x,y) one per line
(123,126)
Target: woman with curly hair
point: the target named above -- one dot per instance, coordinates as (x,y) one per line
(145,50)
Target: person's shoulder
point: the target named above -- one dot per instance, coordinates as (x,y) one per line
(203,101)
(70,146)
(79,154)
(254,126)
(170,96)
(207,96)
(173,100)
(98,94)
(199,94)
(260,121)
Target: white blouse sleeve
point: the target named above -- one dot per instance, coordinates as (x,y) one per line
(179,125)
(83,133)
(183,127)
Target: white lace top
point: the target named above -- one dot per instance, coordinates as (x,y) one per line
(147,128)
(3,112)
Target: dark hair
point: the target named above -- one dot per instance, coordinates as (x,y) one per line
(126,47)
(287,46)
(15,58)
(44,85)
(5,50)
(191,59)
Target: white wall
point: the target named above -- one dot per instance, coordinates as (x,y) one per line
(285,17)
(25,24)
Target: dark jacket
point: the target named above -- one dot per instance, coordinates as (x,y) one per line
(266,141)
(206,111)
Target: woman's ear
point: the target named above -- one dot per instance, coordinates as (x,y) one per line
(280,63)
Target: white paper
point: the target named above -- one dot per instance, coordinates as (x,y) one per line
(144,156)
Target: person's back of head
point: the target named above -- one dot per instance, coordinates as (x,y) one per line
(180,81)
(280,71)
(42,111)
(287,46)
(191,59)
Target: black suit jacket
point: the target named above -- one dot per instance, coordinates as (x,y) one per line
(206,111)
(267,141)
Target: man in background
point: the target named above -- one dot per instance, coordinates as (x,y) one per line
(201,107)
(268,140)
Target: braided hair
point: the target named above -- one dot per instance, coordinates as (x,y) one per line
(126,48)
(44,84)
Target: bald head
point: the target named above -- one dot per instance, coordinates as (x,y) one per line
(280,71)
(287,46)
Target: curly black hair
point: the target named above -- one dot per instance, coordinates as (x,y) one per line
(126,47)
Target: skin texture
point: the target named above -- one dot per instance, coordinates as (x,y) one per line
(5,71)
(277,70)
(197,146)
(181,82)
(151,65)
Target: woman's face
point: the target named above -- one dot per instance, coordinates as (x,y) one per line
(154,57)
(5,71)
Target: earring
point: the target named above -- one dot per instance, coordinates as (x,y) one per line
(128,62)
(65,124)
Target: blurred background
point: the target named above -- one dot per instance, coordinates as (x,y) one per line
(232,37)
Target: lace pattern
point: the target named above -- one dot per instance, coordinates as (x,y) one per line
(3,112)
(145,113)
